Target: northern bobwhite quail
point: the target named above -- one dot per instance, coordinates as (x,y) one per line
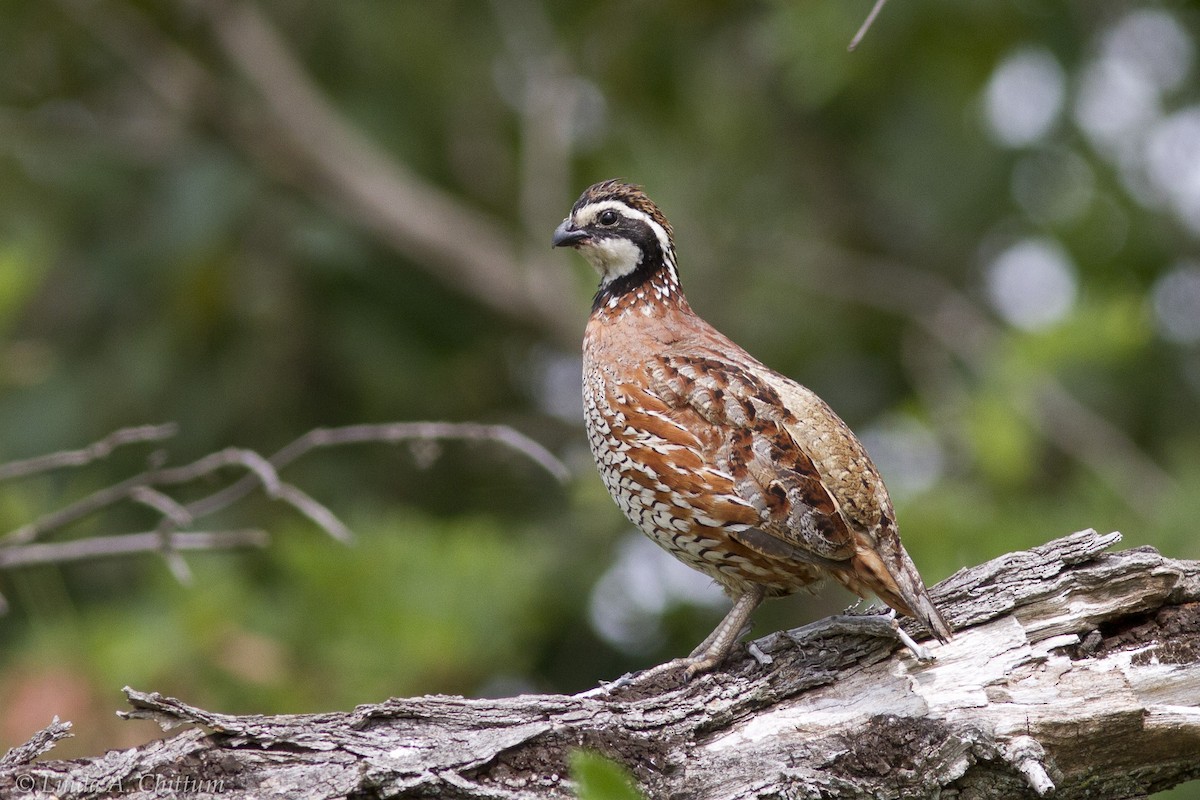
(734,469)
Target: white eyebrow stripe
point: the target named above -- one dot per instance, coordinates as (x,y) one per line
(588,214)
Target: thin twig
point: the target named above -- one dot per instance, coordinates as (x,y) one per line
(127,544)
(75,511)
(867,23)
(174,516)
(265,473)
(229,457)
(172,510)
(388,433)
(287,125)
(458,244)
(316,512)
(262,472)
(176,563)
(93,452)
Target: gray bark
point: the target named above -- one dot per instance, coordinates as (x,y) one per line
(1074,673)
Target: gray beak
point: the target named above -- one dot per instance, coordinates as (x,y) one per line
(565,235)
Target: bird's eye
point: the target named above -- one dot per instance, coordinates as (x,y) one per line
(608,217)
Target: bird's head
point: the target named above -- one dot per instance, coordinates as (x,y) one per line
(619,230)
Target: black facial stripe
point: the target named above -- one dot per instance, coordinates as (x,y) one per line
(641,234)
(652,261)
(651,254)
(636,231)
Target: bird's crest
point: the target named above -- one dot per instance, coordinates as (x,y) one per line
(628,193)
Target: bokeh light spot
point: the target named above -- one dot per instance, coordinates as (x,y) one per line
(1032,284)
(1176,300)
(1024,96)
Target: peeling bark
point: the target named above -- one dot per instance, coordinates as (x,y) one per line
(1074,673)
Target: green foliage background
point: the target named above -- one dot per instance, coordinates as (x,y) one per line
(836,213)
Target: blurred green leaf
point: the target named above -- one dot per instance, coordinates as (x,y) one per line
(21,273)
(597,777)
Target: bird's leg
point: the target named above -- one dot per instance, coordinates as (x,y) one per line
(881,626)
(709,653)
(716,646)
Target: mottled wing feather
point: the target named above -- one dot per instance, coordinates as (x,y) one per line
(673,451)
(769,470)
(779,550)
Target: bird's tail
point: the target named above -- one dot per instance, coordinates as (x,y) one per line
(893,577)
(925,611)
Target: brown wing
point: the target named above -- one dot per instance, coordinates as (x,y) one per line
(726,444)
(837,515)
(673,451)
(747,439)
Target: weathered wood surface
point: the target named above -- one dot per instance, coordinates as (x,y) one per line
(1075,673)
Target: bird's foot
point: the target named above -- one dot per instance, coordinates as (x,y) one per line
(691,666)
(882,626)
(632,680)
(919,652)
(710,653)
(686,668)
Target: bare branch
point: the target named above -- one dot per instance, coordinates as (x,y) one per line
(866,26)
(171,509)
(75,511)
(93,452)
(146,488)
(176,563)
(229,457)
(175,516)
(127,544)
(263,472)
(389,433)
(39,743)
(319,514)
(297,136)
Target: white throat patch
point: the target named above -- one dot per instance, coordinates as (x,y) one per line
(613,258)
(618,256)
